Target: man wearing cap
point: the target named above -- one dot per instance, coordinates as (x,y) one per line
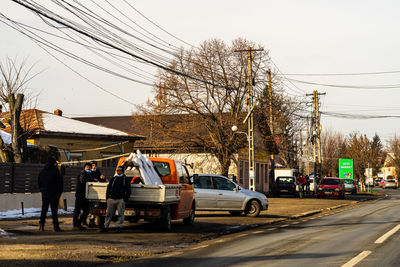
(118,192)
(81,203)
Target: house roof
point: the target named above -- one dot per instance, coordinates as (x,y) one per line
(42,123)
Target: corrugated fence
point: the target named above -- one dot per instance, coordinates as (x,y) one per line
(23,177)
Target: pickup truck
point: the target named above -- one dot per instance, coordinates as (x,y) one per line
(172,200)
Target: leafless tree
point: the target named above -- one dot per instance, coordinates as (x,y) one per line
(13,81)
(201,111)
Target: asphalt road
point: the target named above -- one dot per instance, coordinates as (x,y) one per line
(356,236)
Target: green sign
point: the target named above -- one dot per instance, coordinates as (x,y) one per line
(346,168)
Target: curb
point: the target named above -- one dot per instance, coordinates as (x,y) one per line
(305,214)
(337,207)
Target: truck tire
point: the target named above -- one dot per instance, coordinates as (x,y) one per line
(165,221)
(190,220)
(253,208)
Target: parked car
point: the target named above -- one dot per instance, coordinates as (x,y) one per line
(216,192)
(350,186)
(285,185)
(378,182)
(331,186)
(390,183)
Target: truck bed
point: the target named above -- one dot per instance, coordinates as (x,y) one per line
(140,193)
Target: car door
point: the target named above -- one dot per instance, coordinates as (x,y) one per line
(204,193)
(229,198)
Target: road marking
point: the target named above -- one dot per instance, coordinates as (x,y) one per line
(357,258)
(295,222)
(382,239)
(203,246)
(271,229)
(171,254)
(257,232)
(219,241)
(285,225)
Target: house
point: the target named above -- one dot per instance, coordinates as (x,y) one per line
(177,147)
(75,140)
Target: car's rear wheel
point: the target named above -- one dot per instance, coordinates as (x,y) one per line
(253,209)
(235,212)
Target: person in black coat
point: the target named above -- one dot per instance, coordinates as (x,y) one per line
(96,173)
(51,186)
(81,203)
(118,192)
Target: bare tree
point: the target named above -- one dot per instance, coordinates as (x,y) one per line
(13,80)
(201,111)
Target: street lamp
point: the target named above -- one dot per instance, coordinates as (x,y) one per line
(251,159)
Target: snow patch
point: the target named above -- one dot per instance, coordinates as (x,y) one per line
(30,213)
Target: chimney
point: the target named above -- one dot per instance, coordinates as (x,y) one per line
(58,112)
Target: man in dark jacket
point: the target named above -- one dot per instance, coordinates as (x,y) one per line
(81,203)
(118,192)
(51,186)
(96,173)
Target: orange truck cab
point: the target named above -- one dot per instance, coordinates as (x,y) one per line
(176,180)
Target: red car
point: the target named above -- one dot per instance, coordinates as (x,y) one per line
(331,186)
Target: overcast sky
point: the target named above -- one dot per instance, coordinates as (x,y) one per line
(304,37)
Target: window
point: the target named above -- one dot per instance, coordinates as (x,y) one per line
(109,162)
(162,168)
(203,182)
(223,184)
(76,156)
(330,181)
(183,177)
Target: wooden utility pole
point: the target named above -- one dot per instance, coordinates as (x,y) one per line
(307,149)
(250,116)
(271,126)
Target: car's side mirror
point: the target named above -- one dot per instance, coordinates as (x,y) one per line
(192,178)
(237,188)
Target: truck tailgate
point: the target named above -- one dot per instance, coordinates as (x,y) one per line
(140,193)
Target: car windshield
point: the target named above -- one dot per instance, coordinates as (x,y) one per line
(286,179)
(349,181)
(330,181)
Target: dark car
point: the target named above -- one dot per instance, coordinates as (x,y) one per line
(331,186)
(285,185)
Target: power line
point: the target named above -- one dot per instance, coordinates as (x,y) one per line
(342,74)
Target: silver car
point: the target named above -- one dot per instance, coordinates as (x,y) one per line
(216,192)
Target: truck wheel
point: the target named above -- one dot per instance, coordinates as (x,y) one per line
(100,220)
(165,221)
(190,220)
(236,213)
(253,209)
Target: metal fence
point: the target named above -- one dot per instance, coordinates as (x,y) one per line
(22,177)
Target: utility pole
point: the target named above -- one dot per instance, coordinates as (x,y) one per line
(250,116)
(271,126)
(301,154)
(307,150)
(316,136)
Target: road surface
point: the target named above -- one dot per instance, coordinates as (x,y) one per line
(367,236)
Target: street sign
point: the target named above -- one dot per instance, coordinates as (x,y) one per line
(346,168)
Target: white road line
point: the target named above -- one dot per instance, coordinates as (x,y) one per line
(257,232)
(285,225)
(382,239)
(295,222)
(271,229)
(357,258)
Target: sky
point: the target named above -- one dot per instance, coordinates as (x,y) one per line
(303,37)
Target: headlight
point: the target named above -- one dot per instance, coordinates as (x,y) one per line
(337,189)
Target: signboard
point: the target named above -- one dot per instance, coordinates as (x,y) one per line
(346,168)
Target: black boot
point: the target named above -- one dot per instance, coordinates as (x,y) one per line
(57,228)
(41,227)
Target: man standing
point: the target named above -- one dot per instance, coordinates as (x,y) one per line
(118,192)
(51,186)
(81,203)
